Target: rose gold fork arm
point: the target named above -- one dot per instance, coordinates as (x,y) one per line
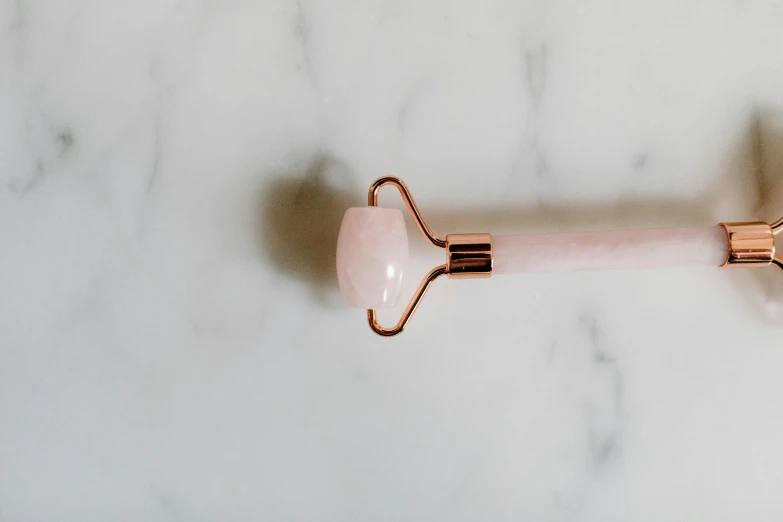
(777,228)
(468,255)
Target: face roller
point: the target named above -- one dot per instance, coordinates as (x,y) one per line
(372,251)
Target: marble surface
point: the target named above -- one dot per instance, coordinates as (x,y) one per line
(172,342)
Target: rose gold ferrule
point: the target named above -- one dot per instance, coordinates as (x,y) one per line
(469,255)
(751,244)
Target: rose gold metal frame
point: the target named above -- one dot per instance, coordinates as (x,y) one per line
(410,309)
(469,255)
(372,200)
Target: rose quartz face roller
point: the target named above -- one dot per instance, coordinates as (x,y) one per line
(372,252)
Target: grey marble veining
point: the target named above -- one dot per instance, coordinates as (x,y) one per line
(172,342)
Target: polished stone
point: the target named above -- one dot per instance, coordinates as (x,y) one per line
(372,252)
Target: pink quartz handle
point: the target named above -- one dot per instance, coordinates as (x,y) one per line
(609,250)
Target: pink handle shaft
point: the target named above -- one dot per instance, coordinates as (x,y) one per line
(609,250)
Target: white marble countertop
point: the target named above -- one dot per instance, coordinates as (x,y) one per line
(172,344)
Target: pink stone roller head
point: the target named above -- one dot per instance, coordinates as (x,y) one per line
(372,252)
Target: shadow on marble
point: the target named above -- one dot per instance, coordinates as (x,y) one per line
(301,215)
(757,174)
